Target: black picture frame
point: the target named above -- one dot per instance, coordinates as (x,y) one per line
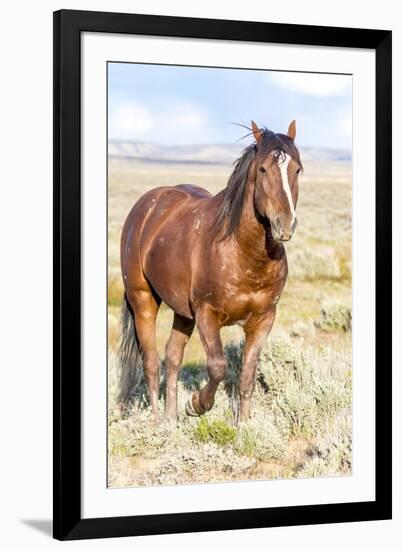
(68,26)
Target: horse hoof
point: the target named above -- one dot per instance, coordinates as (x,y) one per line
(193,407)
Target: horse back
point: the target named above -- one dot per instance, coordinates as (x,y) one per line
(157,242)
(193,191)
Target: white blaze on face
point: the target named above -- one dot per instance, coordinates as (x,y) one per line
(283,166)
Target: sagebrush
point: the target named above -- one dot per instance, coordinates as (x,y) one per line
(300,394)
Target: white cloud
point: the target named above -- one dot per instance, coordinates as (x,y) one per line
(130,119)
(175,122)
(184,116)
(314,84)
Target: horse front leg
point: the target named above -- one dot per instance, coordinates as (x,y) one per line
(257,332)
(208,328)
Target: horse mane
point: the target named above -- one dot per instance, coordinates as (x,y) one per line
(229,213)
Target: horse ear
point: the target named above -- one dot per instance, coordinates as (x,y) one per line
(292,130)
(256,131)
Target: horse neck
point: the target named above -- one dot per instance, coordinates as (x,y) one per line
(252,237)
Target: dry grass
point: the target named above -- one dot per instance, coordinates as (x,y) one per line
(288,435)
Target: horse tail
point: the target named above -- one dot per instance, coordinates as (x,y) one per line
(129,355)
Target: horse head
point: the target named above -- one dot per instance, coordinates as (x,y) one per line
(276,169)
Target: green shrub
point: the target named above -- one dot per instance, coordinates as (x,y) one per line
(217,431)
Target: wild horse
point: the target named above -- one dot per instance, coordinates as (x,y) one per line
(215,261)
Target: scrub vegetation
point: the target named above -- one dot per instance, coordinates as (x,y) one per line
(301,422)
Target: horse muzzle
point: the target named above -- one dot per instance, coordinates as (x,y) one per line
(282,232)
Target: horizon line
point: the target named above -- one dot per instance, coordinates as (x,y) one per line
(208,144)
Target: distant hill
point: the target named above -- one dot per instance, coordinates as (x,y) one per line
(206,154)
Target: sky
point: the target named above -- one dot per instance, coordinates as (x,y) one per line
(174,105)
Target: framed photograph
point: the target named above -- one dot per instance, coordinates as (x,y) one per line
(222,274)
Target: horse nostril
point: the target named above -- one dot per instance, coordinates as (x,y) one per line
(294,224)
(277,222)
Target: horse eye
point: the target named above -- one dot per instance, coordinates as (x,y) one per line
(298,171)
(262,170)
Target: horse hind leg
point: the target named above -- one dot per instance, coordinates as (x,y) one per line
(145,305)
(180,335)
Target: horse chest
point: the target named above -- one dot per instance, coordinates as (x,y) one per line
(257,301)
(240,302)
(239,289)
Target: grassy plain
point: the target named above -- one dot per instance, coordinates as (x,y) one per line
(301,424)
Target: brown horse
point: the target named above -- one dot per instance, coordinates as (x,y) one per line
(216,261)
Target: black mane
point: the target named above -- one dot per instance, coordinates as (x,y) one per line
(230,210)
